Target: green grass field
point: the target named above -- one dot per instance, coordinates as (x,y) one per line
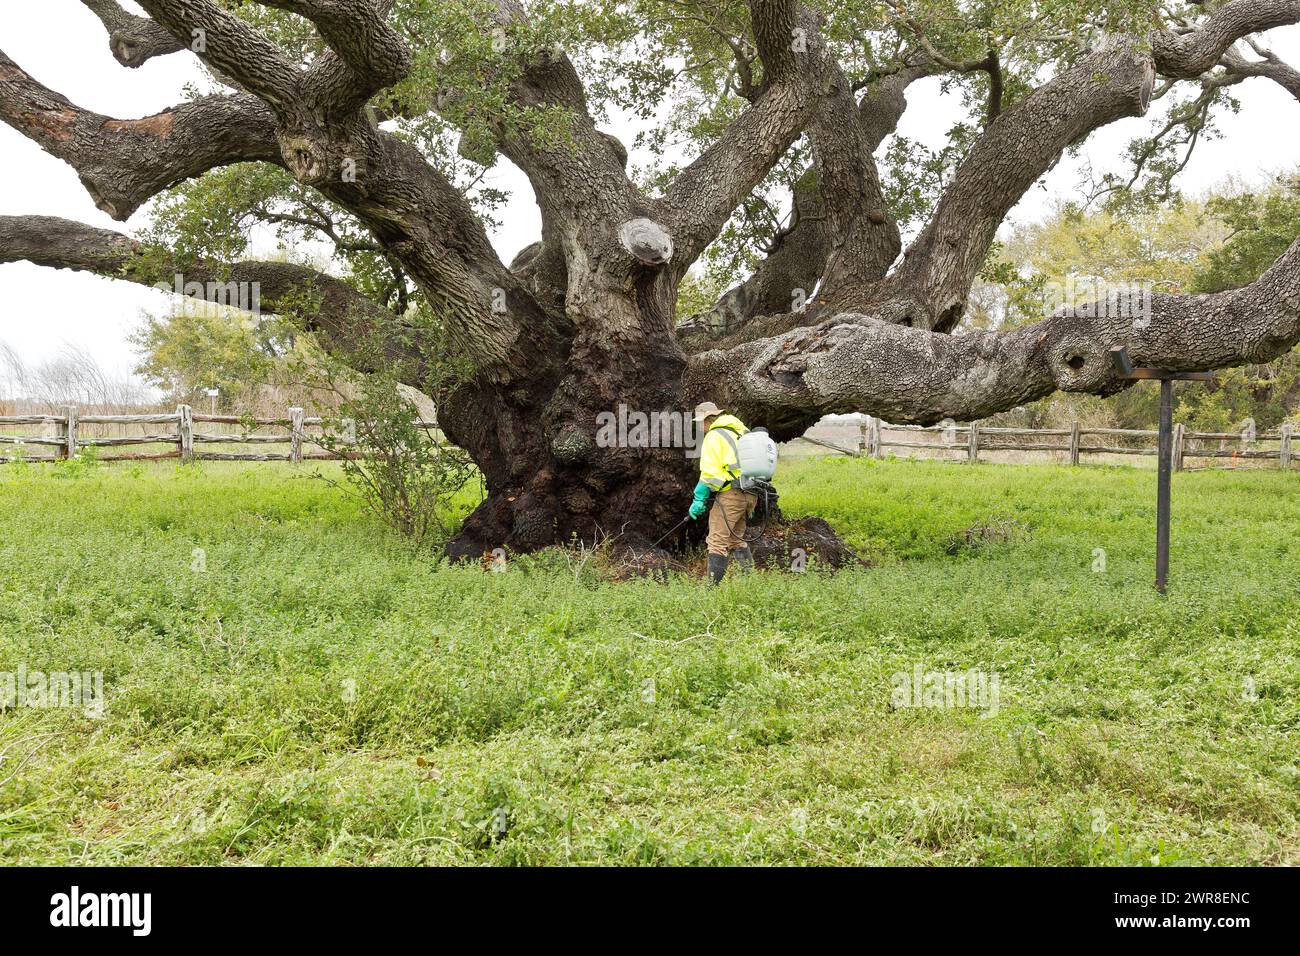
(306,690)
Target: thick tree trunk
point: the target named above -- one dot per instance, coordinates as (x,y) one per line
(551,475)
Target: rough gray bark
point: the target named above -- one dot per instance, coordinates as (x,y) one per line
(133,40)
(583,321)
(905,374)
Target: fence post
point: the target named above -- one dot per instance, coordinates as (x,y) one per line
(876,450)
(1074,443)
(185,428)
(973,443)
(862,438)
(1284,452)
(1180,438)
(295,440)
(69,448)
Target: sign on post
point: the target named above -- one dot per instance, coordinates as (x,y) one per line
(1119,358)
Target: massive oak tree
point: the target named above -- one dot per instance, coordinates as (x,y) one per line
(335,114)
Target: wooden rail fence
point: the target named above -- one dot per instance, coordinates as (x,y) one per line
(189,442)
(973,439)
(977,438)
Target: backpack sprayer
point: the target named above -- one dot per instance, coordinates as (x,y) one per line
(756,457)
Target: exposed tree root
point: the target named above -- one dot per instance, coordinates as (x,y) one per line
(806,544)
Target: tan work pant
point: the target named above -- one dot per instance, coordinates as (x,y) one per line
(727,519)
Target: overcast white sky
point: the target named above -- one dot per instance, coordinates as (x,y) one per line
(62,44)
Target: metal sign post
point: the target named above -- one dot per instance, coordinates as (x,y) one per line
(1119,358)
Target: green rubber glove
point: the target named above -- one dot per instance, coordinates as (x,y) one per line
(701,502)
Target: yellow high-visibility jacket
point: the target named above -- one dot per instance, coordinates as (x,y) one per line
(719,463)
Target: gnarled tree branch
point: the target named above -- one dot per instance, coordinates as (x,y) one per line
(133,40)
(795,261)
(1109,83)
(1271,67)
(780,37)
(909,375)
(123,163)
(1187,55)
(232,47)
(863,240)
(1114,81)
(340,312)
(368,54)
(702,198)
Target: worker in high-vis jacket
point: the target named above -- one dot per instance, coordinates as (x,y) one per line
(719,469)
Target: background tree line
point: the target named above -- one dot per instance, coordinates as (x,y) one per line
(1219,241)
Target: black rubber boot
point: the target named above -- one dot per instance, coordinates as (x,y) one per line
(744,557)
(717,568)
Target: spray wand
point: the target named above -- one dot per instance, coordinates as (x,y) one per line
(671,530)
